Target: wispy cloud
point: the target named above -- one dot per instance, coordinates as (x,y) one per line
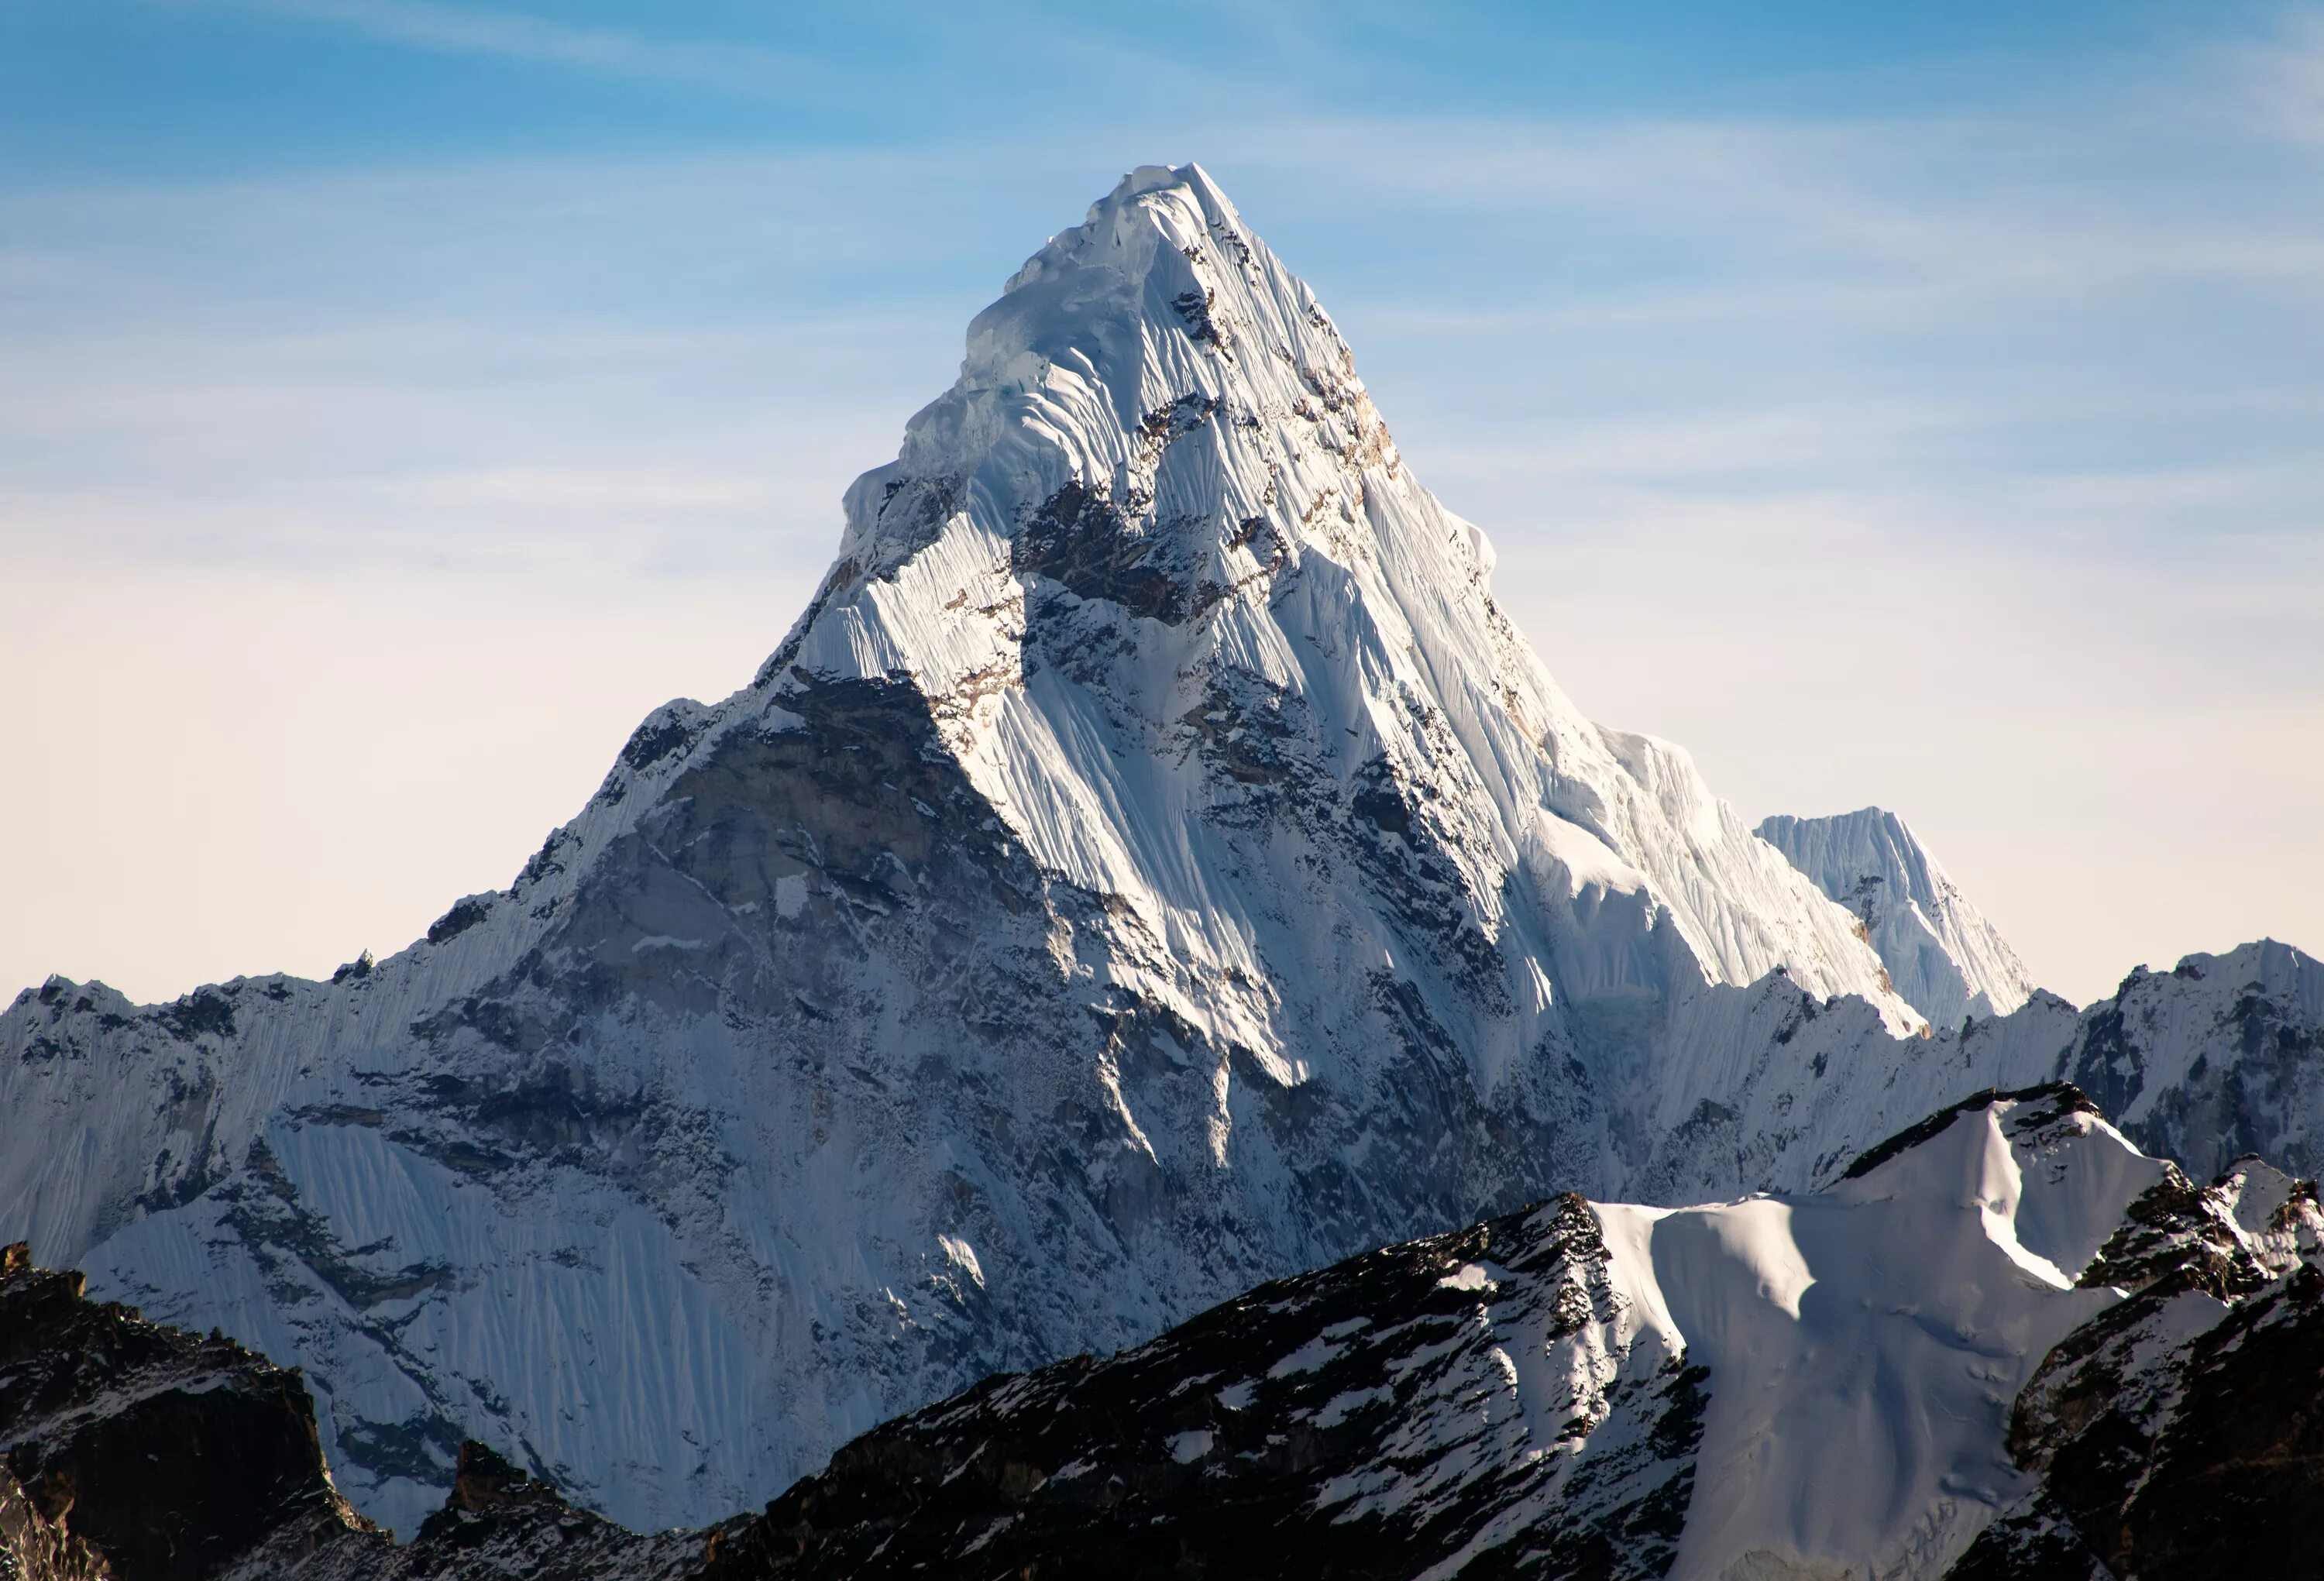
(735,68)
(2283,78)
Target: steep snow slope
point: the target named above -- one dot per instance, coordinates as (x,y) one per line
(1865,1344)
(1940,953)
(1152,865)
(1765,1087)
(1163,576)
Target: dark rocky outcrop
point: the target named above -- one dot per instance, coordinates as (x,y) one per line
(1323,1425)
(2180,1436)
(130,1451)
(162,1453)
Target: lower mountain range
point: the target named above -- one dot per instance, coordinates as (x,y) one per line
(2003,1345)
(1153,866)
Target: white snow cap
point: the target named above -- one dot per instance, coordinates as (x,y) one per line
(1159,436)
(1866,1343)
(1940,951)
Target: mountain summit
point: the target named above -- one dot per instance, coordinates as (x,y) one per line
(1940,951)
(1152,865)
(1170,591)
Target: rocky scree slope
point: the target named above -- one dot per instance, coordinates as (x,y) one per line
(2003,1344)
(1152,865)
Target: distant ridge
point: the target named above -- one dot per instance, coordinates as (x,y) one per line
(1940,953)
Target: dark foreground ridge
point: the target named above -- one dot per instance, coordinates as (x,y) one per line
(137,1452)
(1330,1425)
(1314,1426)
(1323,1425)
(2066,1097)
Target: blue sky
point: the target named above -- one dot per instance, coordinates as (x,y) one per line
(1911,405)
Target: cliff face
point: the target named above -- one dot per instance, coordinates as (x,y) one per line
(1940,951)
(2182,1433)
(134,1450)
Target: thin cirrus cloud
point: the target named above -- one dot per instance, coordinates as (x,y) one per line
(728,67)
(2281,80)
(1956,456)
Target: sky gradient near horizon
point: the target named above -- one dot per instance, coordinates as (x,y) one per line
(399,398)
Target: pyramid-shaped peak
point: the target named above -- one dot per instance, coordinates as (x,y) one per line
(1940,951)
(1158,360)
(1167,226)
(1182,195)
(1156,565)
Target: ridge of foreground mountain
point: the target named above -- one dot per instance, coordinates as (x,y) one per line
(2003,1346)
(1152,865)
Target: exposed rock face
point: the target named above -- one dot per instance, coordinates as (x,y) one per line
(37,1546)
(497,1524)
(130,1451)
(1367,1420)
(2181,1434)
(135,1450)
(1940,951)
(2221,1056)
(1152,865)
(1814,1386)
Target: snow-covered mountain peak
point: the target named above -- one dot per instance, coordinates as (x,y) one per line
(1940,951)
(1165,579)
(1152,864)
(1161,319)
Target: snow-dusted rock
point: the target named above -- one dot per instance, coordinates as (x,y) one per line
(2180,1434)
(1152,865)
(2220,1056)
(1767,1088)
(1941,953)
(2003,1344)
(1781,1388)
